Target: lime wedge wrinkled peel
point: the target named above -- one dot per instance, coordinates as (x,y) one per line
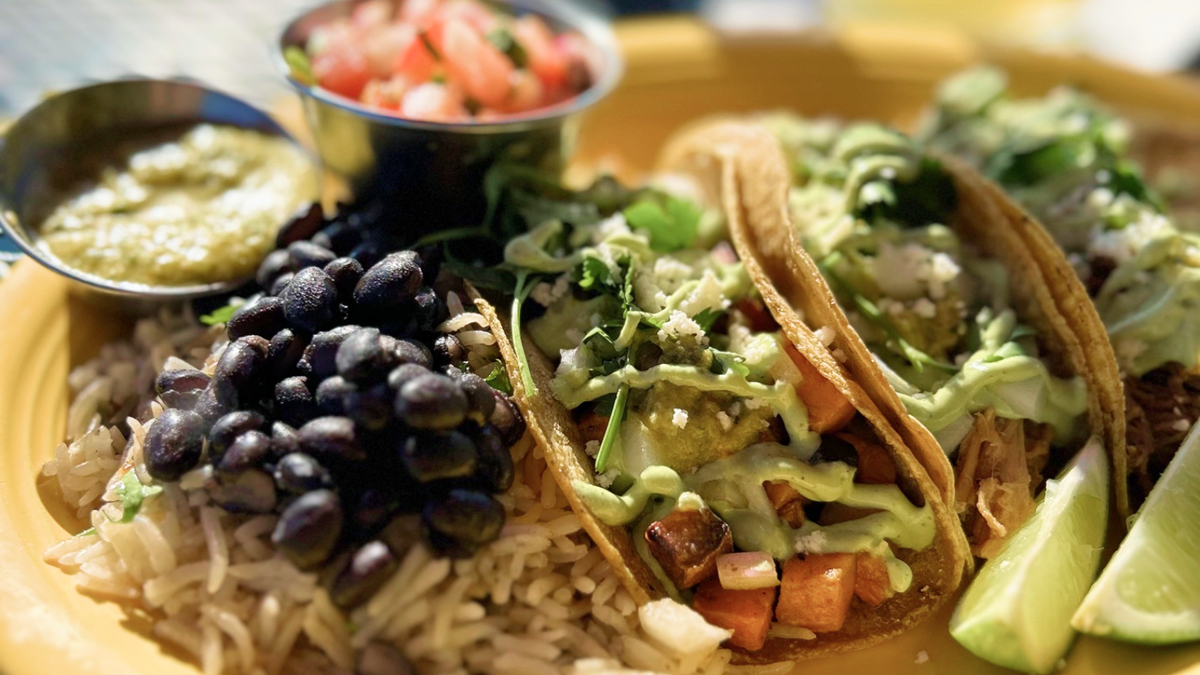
(1017,611)
(1150,591)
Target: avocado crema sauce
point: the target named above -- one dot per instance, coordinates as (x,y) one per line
(178,206)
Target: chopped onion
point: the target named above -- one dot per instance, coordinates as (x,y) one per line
(747,571)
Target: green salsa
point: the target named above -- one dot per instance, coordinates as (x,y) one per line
(189,207)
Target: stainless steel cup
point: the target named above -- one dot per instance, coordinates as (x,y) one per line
(431,173)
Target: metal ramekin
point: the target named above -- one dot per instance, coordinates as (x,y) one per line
(93,111)
(433,172)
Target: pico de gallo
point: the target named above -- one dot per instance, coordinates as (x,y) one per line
(445,60)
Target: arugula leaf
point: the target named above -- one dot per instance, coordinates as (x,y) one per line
(498,378)
(132,494)
(672,222)
(299,66)
(613,428)
(220,315)
(707,317)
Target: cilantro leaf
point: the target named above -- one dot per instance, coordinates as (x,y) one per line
(132,494)
(724,362)
(613,428)
(707,317)
(671,222)
(498,379)
(504,41)
(220,315)
(593,275)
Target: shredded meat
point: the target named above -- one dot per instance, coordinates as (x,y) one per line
(998,469)
(1160,408)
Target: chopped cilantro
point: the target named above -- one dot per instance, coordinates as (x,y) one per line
(592,274)
(299,66)
(132,494)
(220,315)
(671,222)
(724,362)
(611,431)
(504,41)
(423,35)
(498,379)
(707,317)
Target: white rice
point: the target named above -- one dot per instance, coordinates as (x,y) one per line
(540,599)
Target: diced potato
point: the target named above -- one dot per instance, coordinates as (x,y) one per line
(828,409)
(816,591)
(788,503)
(687,543)
(746,613)
(875,465)
(871,582)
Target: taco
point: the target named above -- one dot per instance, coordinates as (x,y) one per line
(962,345)
(714,448)
(1064,159)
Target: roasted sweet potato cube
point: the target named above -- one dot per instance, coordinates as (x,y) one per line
(687,543)
(875,465)
(592,426)
(871,582)
(788,503)
(816,591)
(746,613)
(828,409)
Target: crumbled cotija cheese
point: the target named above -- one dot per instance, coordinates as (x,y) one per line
(680,418)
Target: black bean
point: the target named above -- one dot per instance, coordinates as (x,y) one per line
(428,308)
(226,430)
(307,254)
(239,375)
(369,567)
(321,354)
(361,356)
(303,224)
(381,658)
(431,402)
(437,456)
(403,373)
(430,256)
(281,282)
(390,284)
(341,238)
(444,546)
(412,351)
(272,267)
(309,528)
(262,317)
(345,273)
(480,402)
(286,350)
(249,491)
(174,444)
(368,253)
(333,395)
(465,515)
(507,419)
(310,300)
(248,451)
(297,473)
(331,440)
(834,449)
(398,324)
(448,350)
(495,472)
(209,408)
(284,440)
(371,408)
(182,387)
(294,403)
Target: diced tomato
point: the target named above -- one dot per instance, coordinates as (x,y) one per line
(476,64)
(385,46)
(418,12)
(788,502)
(433,102)
(343,69)
(746,613)
(871,582)
(758,318)
(470,11)
(875,465)
(828,409)
(545,60)
(385,94)
(371,14)
(816,591)
(415,62)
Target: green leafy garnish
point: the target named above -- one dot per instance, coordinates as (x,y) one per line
(671,222)
(613,428)
(498,378)
(299,66)
(520,292)
(707,317)
(220,315)
(593,275)
(930,197)
(504,41)
(132,494)
(724,362)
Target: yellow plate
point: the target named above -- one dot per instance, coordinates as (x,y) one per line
(678,70)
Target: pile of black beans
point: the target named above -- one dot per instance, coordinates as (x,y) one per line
(338,405)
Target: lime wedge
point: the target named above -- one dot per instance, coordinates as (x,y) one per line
(1017,611)
(1150,591)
